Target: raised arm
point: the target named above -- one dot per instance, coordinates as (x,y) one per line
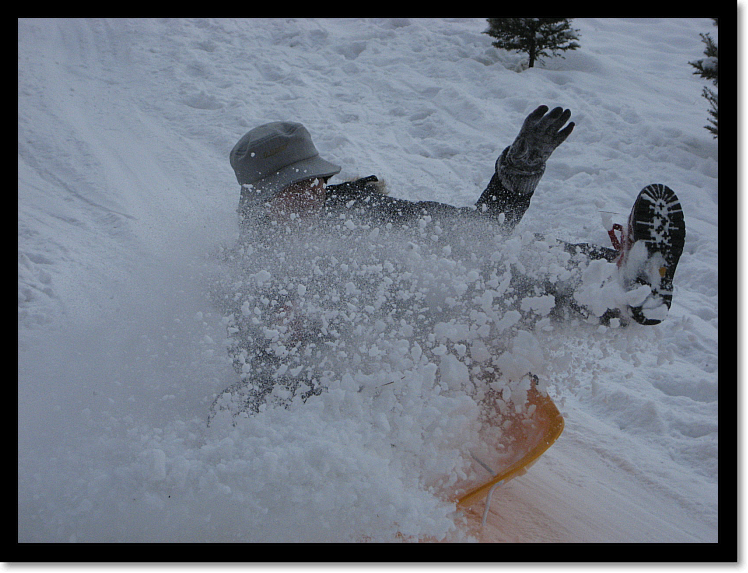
(521,165)
(507,197)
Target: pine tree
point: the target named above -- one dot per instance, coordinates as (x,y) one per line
(708,69)
(537,37)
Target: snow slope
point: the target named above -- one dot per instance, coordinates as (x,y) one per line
(125,191)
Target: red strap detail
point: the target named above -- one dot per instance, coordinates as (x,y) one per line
(615,240)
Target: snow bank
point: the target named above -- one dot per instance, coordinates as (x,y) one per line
(125,195)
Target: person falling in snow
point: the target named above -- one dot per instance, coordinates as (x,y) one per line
(283,178)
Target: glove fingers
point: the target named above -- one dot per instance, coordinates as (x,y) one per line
(541,133)
(534,117)
(564,118)
(556,119)
(564,133)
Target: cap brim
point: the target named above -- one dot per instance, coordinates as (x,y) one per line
(310,168)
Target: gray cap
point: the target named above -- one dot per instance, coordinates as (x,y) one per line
(275,155)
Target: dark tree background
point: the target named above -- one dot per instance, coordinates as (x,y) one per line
(708,69)
(536,37)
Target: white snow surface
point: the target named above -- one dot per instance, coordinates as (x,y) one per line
(125,195)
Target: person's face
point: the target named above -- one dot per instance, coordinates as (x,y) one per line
(299,199)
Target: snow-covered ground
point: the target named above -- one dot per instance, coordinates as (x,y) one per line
(125,194)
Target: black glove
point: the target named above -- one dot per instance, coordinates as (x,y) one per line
(539,136)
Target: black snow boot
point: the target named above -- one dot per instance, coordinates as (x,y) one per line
(650,249)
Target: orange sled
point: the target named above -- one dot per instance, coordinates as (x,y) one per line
(513,441)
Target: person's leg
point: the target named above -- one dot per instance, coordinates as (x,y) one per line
(651,249)
(647,256)
(592,252)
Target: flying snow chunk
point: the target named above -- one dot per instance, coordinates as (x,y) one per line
(262,277)
(453,372)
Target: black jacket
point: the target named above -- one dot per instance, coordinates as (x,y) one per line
(505,200)
(365,201)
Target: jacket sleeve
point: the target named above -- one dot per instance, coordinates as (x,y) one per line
(505,200)
(509,192)
(365,202)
